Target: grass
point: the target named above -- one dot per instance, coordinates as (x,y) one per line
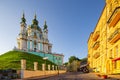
(12,59)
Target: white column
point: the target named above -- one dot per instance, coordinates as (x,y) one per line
(30,45)
(49,67)
(52,67)
(23,64)
(39,46)
(43,47)
(43,67)
(35,65)
(56,67)
(20,43)
(47,48)
(24,44)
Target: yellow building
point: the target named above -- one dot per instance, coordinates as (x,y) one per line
(104,41)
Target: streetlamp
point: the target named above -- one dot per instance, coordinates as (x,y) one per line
(58,64)
(45,58)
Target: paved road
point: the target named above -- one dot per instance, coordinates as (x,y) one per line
(74,76)
(71,76)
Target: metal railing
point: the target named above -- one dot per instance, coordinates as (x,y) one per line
(117,31)
(96,43)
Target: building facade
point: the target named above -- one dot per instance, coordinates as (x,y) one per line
(104,41)
(34,40)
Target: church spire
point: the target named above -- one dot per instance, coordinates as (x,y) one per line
(45,25)
(35,22)
(23,14)
(23,20)
(35,16)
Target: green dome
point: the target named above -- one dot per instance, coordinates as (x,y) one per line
(35,21)
(36,26)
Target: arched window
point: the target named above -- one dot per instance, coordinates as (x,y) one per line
(35,46)
(40,36)
(35,35)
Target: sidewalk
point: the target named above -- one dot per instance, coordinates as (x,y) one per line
(111,77)
(114,76)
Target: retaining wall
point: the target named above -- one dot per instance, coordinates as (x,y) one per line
(37,73)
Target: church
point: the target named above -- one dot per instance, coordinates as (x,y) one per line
(34,40)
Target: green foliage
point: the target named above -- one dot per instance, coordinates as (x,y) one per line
(74,66)
(84,61)
(66,63)
(74,63)
(73,58)
(12,59)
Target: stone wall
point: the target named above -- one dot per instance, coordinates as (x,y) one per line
(29,74)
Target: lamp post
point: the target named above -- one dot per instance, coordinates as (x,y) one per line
(45,58)
(58,65)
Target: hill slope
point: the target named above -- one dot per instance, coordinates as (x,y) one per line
(12,60)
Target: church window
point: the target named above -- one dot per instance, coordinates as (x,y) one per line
(35,43)
(40,36)
(28,45)
(35,36)
(35,46)
(34,49)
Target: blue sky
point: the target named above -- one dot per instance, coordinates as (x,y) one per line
(69,22)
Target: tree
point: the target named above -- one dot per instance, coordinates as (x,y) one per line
(73,58)
(66,63)
(83,61)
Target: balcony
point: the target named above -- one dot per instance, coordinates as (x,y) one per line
(96,55)
(116,59)
(96,35)
(96,45)
(114,18)
(115,36)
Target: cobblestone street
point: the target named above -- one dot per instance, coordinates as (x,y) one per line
(76,76)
